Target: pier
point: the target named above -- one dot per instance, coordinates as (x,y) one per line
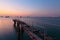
(21,27)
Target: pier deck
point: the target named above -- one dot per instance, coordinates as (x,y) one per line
(23,27)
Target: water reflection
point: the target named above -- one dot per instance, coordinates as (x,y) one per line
(7,31)
(52,26)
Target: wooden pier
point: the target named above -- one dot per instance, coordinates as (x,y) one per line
(21,27)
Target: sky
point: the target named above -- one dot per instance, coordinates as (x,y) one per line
(40,8)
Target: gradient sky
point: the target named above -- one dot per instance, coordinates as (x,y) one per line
(30,7)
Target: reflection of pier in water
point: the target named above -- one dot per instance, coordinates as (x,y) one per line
(34,34)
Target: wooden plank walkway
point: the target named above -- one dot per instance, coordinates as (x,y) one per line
(20,25)
(31,35)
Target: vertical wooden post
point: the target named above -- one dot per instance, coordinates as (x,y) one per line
(14,23)
(18,29)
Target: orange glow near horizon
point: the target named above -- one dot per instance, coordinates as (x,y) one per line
(29,8)
(14,12)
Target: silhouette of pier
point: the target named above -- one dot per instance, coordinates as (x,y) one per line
(21,27)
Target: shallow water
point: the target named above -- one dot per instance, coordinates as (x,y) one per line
(50,25)
(7,31)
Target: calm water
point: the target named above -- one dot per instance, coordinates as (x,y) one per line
(7,31)
(50,25)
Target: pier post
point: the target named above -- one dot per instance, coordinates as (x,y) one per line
(21,31)
(18,29)
(14,22)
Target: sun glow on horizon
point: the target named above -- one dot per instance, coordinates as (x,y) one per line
(14,12)
(11,9)
(30,7)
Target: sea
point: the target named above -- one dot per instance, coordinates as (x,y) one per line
(51,26)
